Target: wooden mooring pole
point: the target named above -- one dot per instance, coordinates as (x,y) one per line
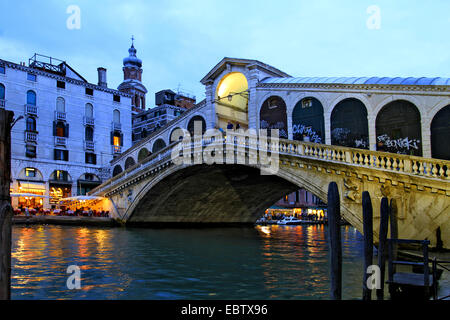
(334,227)
(384,220)
(368,241)
(5,204)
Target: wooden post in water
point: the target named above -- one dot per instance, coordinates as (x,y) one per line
(393,212)
(368,241)
(5,204)
(334,222)
(384,220)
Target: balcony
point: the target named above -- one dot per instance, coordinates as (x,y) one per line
(60,116)
(116,150)
(30,136)
(89,145)
(31,109)
(2,103)
(60,141)
(88,121)
(116,126)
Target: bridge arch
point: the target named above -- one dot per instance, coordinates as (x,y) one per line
(158,145)
(398,128)
(273,115)
(129,162)
(440,134)
(231,98)
(142,154)
(349,124)
(308,120)
(191,124)
(117,170)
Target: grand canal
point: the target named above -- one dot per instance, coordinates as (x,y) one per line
(276,262)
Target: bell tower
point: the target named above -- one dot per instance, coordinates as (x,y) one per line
(132,77)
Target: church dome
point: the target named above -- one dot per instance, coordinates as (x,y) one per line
(132,61)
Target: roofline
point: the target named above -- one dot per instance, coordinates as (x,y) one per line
(221,65)
(14,65)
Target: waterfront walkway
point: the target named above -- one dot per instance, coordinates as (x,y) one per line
(65,220)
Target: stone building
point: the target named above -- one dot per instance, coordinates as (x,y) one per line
(67,131)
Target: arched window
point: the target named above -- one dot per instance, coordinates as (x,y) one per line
(349,127)
(116,116)
(129,162)
(31,124)
(200,123)
(143,153)
(398,128)
(308,122)
(2,92)
(117,170)
(273,116)
(31,98)
(440,134)
(60,105)
(89,133)
(158,145)
(89,110)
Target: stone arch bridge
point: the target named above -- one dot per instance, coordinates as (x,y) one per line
(160,189)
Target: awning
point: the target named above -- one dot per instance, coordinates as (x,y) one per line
(40,186)
(81,198)
(27,195)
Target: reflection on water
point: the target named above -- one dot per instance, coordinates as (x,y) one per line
(270,262)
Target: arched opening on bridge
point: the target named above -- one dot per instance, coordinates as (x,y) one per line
(117,170)
(398,128)
(349,126)
(158,145)
(176,134)
(308,121)
(129,162)
(273,116)
(143,153)
(232,101)
(440,134)
(199,121)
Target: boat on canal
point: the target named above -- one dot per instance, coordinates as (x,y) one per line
(290,221)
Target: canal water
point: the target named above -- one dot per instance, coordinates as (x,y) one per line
(272,262)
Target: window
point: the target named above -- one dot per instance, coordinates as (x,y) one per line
(61,155)
(60,129)
(2,69)
(31,124)
(2,92)
(30,151)
(91,158)
(89,134)
(89,91)
(31,98)
(30,172)
(31,77)
(61,84)
(116,141)
(60,105)
(116,116)
(89,177)
(116,138)
(306,103)
(116,98)
(89,110)
(61,175)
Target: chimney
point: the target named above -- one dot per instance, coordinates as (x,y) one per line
(102,77)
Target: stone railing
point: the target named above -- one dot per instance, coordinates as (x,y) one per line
(88,121)
(31,109)
(397,163)
(30,136)
(60,116)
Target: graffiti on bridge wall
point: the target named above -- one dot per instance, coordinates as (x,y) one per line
(400,145)
(344,137)
(278,125)
(300,129)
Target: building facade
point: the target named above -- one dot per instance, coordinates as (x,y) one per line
(67,130)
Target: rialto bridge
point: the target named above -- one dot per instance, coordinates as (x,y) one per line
(388,136)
